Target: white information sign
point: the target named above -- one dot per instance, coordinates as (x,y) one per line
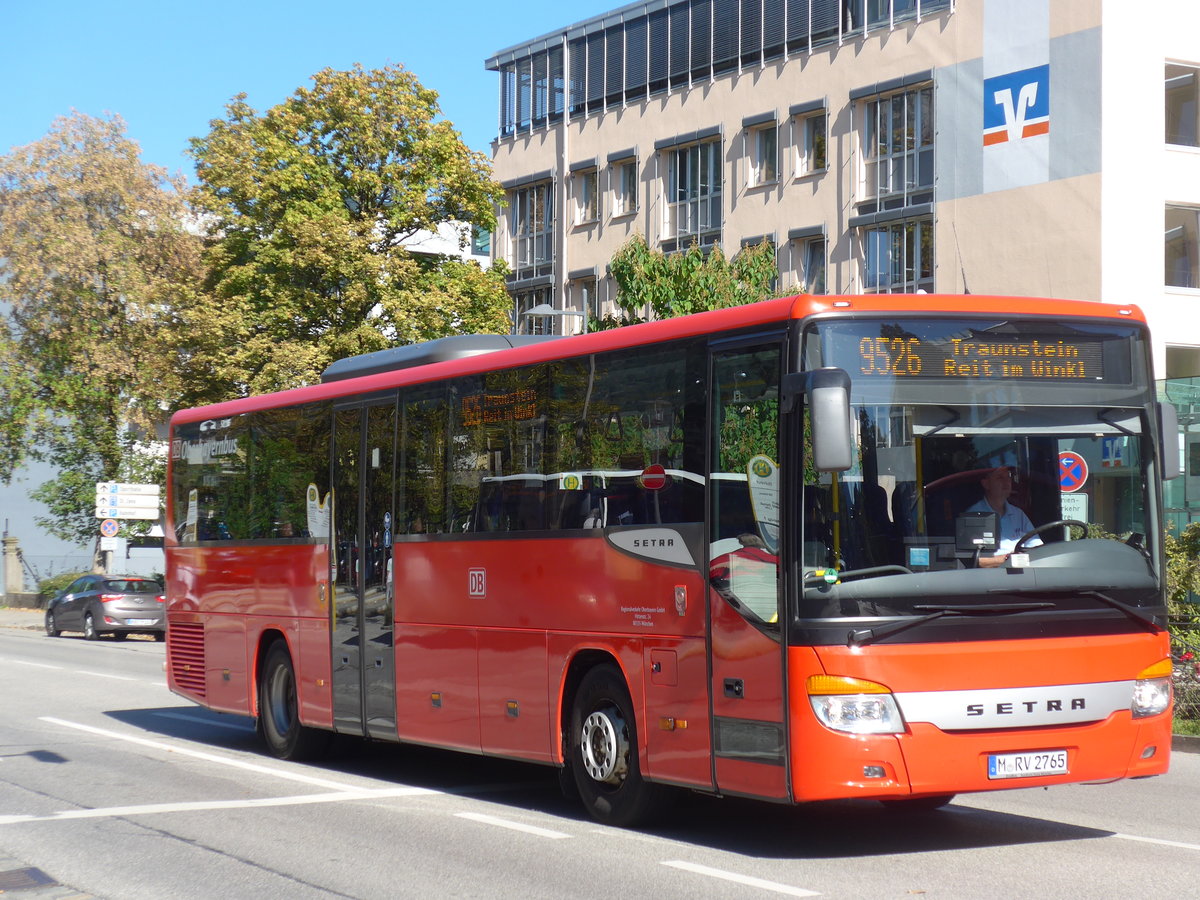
(116,500)
(1074,506)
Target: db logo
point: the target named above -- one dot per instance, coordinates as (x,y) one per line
(477,582)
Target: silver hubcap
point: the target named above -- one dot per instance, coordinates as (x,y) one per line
(605,746)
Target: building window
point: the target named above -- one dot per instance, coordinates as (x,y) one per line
(584,297)
(813,158)
(897,148)
(625,188)
(533,324)
(1182,112)
(587,201)
(481,241)
(676,44)
(532,218)
(694,192)
(812,266)
(1183,247)
(764,155)
(898,257)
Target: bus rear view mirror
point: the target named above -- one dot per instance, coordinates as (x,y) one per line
(828,398)
(1168,440)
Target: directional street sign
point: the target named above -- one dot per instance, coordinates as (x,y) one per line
(115,500)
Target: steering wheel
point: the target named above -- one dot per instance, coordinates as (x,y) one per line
(1020,544)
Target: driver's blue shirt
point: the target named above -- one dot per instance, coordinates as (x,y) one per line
(1013,524)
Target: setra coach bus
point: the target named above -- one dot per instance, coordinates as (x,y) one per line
(887,547)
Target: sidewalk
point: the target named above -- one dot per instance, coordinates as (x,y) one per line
(16,617)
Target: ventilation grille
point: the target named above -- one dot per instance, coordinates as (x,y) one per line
(185,650)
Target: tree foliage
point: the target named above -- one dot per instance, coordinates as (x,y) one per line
(1182,568)
(95,260)
(308,205)
(676,284)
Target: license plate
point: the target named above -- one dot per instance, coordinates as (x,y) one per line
(1027,765)
(141,621)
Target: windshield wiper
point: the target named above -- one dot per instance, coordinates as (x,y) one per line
(864,636)
(1150,625)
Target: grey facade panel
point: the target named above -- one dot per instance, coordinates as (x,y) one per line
(1075,110)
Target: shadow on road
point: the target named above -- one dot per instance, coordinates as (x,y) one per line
(827,830)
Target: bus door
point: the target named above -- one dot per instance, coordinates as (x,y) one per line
(745,619)
(364,684)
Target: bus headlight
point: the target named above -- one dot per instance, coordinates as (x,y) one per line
(1152,690)
(854,705)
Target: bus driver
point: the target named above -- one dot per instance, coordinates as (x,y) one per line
(1013,523)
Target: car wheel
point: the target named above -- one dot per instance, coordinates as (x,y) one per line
(278,710)
(89,628)
(52,628)
(160,636)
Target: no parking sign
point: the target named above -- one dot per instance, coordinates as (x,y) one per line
(1072,471)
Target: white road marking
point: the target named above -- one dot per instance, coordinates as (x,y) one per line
(204,805)
(21,662)
(1165,843)
(105,675)
(209,757)
(747,880)
(515,826)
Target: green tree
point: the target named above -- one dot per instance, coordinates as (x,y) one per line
(96,261)
(676,284)
(308,205)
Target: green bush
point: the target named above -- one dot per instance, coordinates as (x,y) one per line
(48,587)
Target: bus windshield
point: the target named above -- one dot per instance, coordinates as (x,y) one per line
(974,486)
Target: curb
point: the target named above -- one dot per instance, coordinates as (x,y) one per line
(1185,743)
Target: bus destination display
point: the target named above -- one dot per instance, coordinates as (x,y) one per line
(893,350)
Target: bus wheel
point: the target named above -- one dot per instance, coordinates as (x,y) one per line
(918,804)
(278,712)
(604,752)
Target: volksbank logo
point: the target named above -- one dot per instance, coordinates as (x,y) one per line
(1016,105)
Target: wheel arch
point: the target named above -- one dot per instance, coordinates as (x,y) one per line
(266,638)
(580,663)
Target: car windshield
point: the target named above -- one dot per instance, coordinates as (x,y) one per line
(960,488)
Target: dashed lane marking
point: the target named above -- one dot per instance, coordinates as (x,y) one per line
(748,880)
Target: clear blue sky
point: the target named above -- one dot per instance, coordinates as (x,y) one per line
(168,68)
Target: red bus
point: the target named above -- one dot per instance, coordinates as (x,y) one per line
(759,551)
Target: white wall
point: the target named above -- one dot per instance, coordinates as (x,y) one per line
(1141,175)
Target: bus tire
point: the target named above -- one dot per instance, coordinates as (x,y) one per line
(278,710)
(604,752)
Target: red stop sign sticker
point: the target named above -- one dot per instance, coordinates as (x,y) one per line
(654,478)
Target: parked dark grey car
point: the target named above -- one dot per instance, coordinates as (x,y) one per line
(108,604)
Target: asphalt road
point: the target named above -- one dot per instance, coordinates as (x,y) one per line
(112,787)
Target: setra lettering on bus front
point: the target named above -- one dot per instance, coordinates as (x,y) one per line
(1026,706)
